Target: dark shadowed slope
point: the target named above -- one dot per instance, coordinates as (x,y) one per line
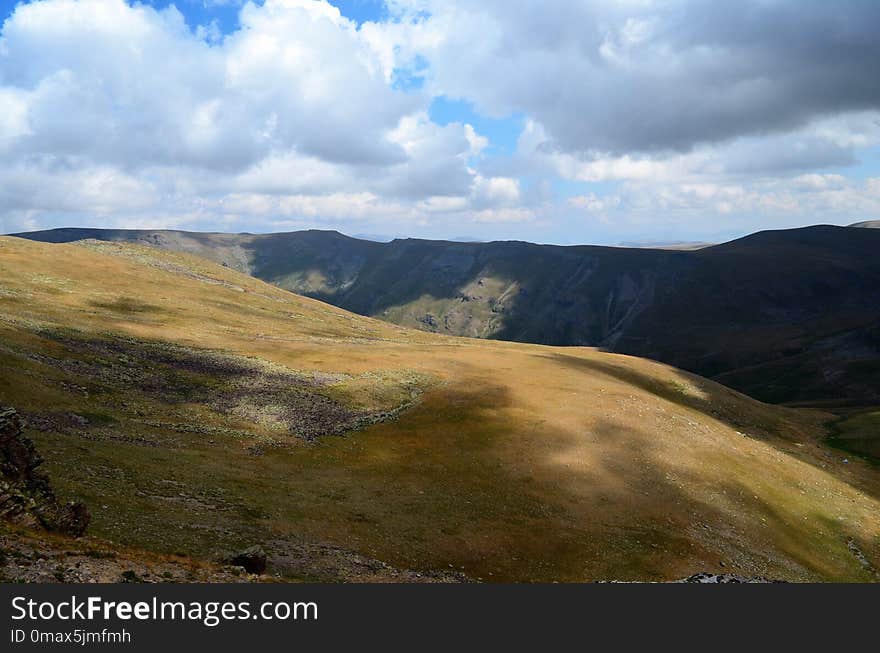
(783,315)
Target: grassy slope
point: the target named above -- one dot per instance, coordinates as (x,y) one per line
(789,316)
(859,432)
(516,462)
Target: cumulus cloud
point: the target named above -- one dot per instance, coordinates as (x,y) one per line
(294,107)
(623,77)
(831,142)
(632,115)
(132,86)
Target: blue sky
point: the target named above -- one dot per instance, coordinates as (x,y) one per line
(603,122)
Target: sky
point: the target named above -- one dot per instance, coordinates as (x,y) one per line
(576,121)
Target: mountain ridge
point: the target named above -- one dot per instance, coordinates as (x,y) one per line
(758,313)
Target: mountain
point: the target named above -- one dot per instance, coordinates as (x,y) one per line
(869,224)
(666,245)
(785,316)
(198,411)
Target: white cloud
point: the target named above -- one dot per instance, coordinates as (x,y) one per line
(478,143)
(14,109)
(593,203)
(633,77)
(646,115)
(496,191)
(98,189)
(516,214)
(127,110)
(733,207)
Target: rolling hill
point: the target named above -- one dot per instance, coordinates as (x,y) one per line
(197,410)
(785,316)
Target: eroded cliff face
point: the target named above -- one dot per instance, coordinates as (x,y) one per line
(26,497)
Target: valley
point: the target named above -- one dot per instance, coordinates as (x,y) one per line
(197,411)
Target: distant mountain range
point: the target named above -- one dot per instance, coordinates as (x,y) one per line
(868,224)
(666,245)
(785,316)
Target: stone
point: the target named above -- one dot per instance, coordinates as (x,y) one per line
(252,559)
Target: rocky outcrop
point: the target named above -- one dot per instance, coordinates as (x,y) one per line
(26,498)
(252,560)
(706,578)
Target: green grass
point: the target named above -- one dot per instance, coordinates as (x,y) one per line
(859,434)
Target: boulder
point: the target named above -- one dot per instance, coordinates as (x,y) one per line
(252,559)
